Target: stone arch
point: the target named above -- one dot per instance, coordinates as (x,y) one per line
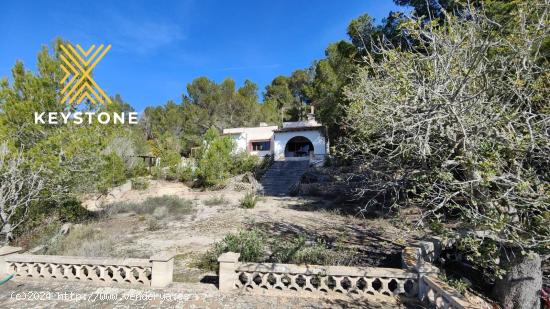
(298,146)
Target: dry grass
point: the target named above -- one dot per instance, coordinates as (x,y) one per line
(159,207)
(215,201)
(86,240)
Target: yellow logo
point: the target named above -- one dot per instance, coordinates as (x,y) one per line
(78,83)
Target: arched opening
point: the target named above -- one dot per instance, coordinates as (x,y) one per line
(298,146)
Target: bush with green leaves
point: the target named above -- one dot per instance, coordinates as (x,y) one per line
(214,165)
(298,250)
(254,246)
(243,162)
(457,125)
(140,184)
(112,171)
(186,173)
(249,243)
(249,200)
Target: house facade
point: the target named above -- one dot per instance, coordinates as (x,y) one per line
(298,140)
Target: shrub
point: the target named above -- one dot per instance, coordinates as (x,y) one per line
(72,211)
(298,251)
(139,168)
(216,161)
(243,162)
(458,284)
(140,184)
(153,225)
(87,240)
(40,235)
(156,172)
(250,244)
(186,173)
(249,200)
(472,154)
(264,165)
(215,200)
(173,205)
(169,158)
(112,172)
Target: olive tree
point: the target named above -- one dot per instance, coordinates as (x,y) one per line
(19,187)
(458,125)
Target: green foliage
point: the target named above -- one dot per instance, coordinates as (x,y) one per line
(169,158)
(253,246)
(249,200)
(459,284)
(243,162)
(458,130)
(249,243)
(214,165)
(72,211)
(299,252)
(288,95)
(179,127)
(112,172)
(186,173)
(140,184)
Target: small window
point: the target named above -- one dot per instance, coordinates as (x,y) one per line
(261,146)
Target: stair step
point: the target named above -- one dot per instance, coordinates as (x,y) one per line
(282,175)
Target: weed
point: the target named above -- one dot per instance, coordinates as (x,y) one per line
(249,200)
(250,244)
(458,284)
(140,184)
(215,200)
(173,206)
(87,240)
(153,225)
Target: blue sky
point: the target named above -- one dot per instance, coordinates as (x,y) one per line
(158,47)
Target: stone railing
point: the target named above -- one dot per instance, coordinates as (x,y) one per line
(267,278)
(419,258)
(418,278)
(441,295)
(156,271)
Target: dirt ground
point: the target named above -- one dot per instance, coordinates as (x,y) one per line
(28,293)
(378,239)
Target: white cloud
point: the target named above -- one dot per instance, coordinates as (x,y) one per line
(143,36)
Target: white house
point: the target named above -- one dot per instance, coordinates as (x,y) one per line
(299,140)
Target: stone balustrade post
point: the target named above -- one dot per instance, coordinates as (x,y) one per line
(227,275)
(427,269)
(162,270)
(414,259)
(4,252)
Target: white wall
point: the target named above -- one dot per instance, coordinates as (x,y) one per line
(243,136)
(315,136)
(240,141)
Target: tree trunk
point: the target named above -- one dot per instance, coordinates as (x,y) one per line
(521,285)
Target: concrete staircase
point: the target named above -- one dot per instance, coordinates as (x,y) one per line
(281,176)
